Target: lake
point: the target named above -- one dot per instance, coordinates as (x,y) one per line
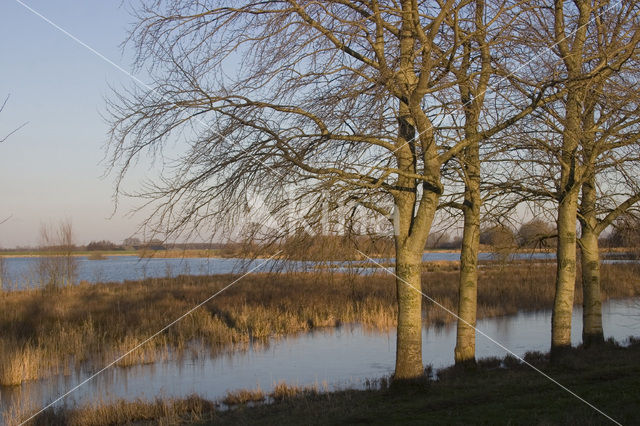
(342,357)
(21,272)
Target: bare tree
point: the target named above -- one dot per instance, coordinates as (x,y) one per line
(536,233)
(563,147)
(594,54)
(5,137)
(604,39)
(482,72)
(3,273)
(500,238)
(611,189)
(57,265)
(625,232)
(334,103)
(472,72)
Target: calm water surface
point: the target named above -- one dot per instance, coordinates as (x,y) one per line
(21,272)
(343,357)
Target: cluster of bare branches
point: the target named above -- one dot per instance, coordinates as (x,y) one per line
(5,137)
(57,266)
(315,117)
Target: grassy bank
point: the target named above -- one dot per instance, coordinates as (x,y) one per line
(497,392)
(38,253)
(142,253)
(44,331)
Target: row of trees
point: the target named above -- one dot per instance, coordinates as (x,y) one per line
(300,112)
(624,233)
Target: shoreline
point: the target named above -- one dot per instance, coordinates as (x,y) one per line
(202,254)
(260,306)
(494,391)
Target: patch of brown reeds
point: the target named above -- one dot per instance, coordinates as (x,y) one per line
(191,409)
(283,391)
(492,391)
(43,330)
(243,396)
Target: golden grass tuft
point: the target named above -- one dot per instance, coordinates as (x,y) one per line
(191,409)
(283,391)
(20,363)
(243,396)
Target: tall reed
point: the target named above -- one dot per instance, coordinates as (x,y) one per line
(42,331)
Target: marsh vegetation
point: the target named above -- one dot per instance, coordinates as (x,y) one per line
(43,330)
(611,385)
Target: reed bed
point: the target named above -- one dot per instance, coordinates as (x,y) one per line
(243,396)
(169,411)
(44,331)
(282,391)
(192,409)
(497,391)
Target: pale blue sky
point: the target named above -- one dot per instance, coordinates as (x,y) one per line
(50,169)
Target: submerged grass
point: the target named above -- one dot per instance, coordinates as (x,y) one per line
(498,391)
(192,409)
(43,331)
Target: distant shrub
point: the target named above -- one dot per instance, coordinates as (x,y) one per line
(103,245)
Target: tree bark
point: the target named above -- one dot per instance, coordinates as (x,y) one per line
(468,285)
(472,99)
(591,228)
(408,256)
(409,331)
(592,333)
(592,303)
(565,274)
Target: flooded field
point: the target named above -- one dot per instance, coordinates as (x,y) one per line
(333,358)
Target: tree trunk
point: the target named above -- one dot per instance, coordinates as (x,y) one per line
(565,274)
(409,334)
(590,252)
(468,285)
(468,292)
(569,188)
(592,303)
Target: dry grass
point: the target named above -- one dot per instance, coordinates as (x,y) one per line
(20,362)
(43,331)
(282,391)
(243,396)
(498,391)
(159,412)
(171,411)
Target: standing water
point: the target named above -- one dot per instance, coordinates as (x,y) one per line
(342,357)
(22,272)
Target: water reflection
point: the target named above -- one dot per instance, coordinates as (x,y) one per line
(343,357)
